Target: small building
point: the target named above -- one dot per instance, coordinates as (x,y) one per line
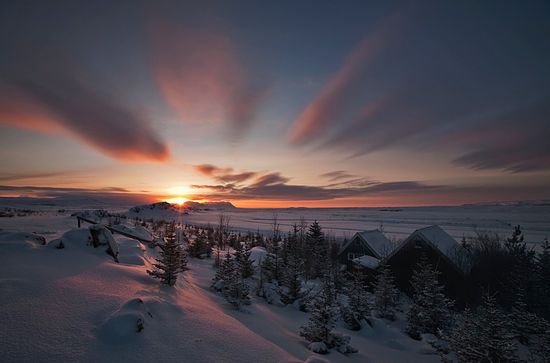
(371,243)
(439,249)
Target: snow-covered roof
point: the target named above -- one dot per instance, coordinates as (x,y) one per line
(375,240)
(441,241)
(367,261)
(438,238)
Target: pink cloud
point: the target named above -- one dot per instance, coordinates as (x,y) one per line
(202,79)
(334,97)
(53,97)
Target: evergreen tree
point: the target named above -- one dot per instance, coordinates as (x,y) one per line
(524,323)
(292,270)
(385,293)
(430,311)
(322,319)
(171,261)
(272,266)
(483,336)
(542,281)
(321,323)
(199,247)
(235,290)
(358,297)
(317,252)
(223,270)
(519,283)
(246,265)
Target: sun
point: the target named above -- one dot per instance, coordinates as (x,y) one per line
(178,200)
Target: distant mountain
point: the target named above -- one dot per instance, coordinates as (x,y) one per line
(209,206)
(512,203)
(168,211)
(157,211)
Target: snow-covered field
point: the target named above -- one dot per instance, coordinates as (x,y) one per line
(77,304)
(397,223)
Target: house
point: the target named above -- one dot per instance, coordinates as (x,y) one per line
(439,249)
(371,243)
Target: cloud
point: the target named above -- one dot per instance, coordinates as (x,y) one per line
(290,192)
(515,141)
(202,78)
(405,87)
(224,175)
(340,92)
(16,177)
(269,179)
(46,92)
(87,198)
(337,175)
(274,186)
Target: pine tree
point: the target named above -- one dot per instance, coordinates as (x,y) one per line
(223,271)
(524,323)
(317,255)
(246,265)
(198,247)
(322,319)
(171,261)
(272,267)
(358,297)
(542,281)
(385,293)
(235,290)
(483,336)
(321,323)
(293,268)
(430,311)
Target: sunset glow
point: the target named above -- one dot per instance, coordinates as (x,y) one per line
(266,109)
(179,201)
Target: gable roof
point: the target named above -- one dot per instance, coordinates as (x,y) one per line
(441,241)
(375,240)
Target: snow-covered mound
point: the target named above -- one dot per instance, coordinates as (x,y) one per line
(131,252)
(257,254)
(126,323)
(155,211)
(78,237)
(21,239)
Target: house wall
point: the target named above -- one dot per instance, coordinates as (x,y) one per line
(356,248)
(405,261)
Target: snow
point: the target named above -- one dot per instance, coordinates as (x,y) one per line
(377,241)
(77,304)
(397,224)
(367,261)
(439,239)
(257,254)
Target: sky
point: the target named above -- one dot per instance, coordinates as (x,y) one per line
(276,104)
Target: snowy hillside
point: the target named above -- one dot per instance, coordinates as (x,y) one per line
(77,304)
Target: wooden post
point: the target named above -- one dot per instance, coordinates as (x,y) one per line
(78,219)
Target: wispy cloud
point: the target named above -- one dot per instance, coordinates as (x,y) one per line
(395,90)
(202,77)
(224,175)
(94,197)
(515,141)
(340,92)
(55,93)
(274,186)
(337,175)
